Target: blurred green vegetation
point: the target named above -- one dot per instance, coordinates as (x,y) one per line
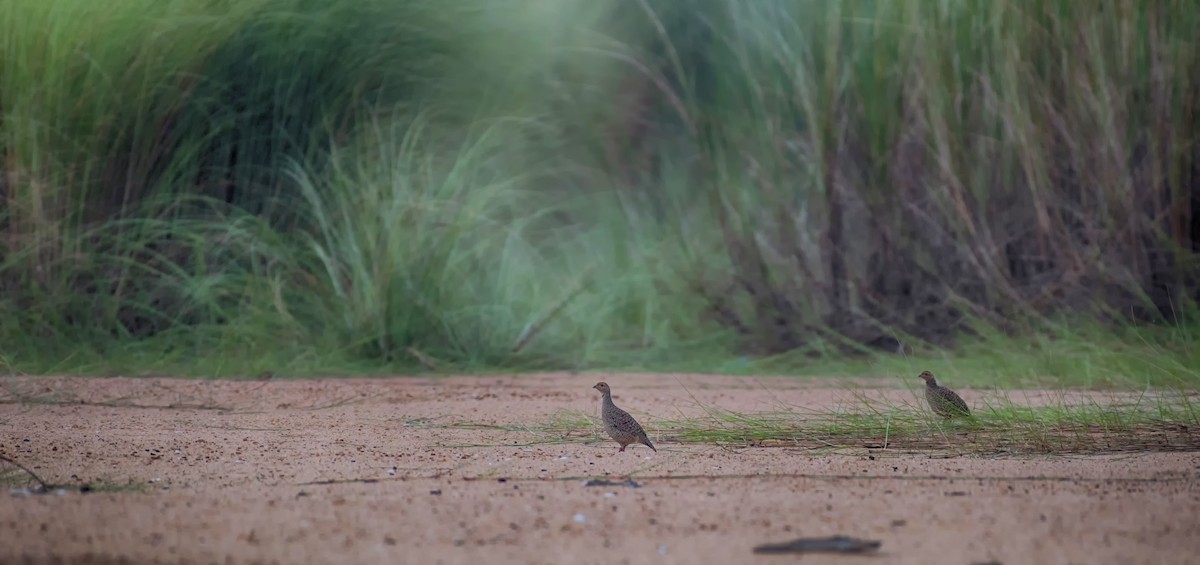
(1004,190)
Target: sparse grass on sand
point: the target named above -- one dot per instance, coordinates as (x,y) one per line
(999,425)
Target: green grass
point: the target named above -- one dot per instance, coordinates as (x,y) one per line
(997,192)
(1002,425)
(1003,428)
(1095,357)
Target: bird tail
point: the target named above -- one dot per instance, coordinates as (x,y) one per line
(646,441)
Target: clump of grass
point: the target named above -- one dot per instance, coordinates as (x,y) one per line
(209,206)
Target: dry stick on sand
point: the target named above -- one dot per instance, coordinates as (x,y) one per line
(832,544)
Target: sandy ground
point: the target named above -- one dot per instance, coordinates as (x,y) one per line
(461,470)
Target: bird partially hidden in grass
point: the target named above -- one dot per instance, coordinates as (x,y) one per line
(943,401)
(618,423)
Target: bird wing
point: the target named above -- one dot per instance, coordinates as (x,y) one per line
(954,399)
(621,420)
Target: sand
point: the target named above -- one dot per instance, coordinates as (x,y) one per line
(464,470)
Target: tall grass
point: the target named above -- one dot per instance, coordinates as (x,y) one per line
(876,173)
(368,186)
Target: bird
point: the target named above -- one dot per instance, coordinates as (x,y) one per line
(618,423)
(942,400)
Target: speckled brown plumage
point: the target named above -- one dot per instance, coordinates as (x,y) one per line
(618,423)
(942,400)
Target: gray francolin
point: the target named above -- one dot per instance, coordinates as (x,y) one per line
(618,423)
(943,401)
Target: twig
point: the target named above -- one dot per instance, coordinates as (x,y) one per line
(12,371)
(45,487)
(425,360)
(537,327)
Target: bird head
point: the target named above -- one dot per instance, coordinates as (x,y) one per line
(928,378)
(602,387)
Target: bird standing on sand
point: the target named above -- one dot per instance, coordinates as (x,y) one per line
(618,423)
(942,400)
